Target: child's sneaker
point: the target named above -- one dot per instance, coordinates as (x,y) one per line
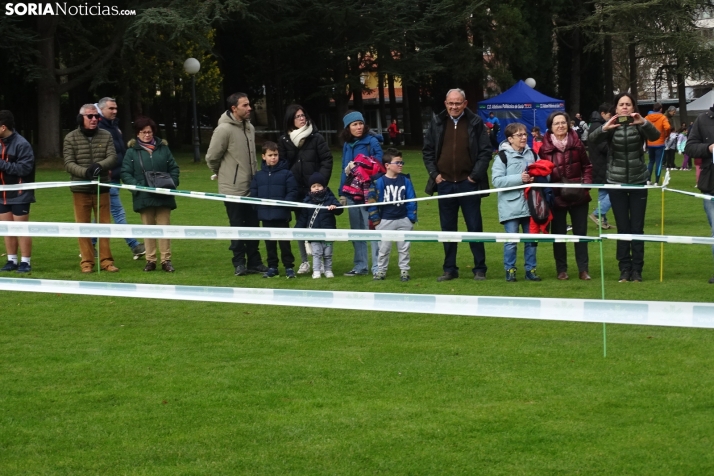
(405,276)
(379,276)
(289,273)
(511,275)
(304,268)
(139,251)
(271,273)
(315,275)
(532,276)
(329,273)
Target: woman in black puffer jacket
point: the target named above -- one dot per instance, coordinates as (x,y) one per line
(306,152)
(626,133)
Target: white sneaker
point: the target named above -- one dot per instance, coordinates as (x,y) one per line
(329,274)
(304,268)
(315,275)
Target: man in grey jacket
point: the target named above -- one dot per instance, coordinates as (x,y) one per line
(231,156)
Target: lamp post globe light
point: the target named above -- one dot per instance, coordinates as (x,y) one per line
(531,82)
(193,66)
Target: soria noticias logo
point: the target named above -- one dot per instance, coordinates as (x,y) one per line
(86,9)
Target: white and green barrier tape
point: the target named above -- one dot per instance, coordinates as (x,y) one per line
(101,230)
(651,313)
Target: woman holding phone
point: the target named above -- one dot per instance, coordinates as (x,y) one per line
(626,133)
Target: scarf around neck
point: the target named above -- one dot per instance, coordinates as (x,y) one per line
(150,147)
(560,144)
(299,135)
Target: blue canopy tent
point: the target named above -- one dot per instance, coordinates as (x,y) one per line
(521,104)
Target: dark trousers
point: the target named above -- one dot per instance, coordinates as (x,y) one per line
(449,216)
(286,251)
(579,220)
(669,156)
(629,207)
(245,252)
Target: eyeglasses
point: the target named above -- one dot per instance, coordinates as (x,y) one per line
(146,133)
(454,104)
(300,116)
(92,116)
(522,134)
(398,163)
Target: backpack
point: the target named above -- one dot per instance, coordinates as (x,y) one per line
(538,205)
(504,158)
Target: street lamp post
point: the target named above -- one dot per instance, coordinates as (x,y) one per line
(192,66)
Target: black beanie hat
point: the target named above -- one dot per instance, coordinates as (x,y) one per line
(317,178)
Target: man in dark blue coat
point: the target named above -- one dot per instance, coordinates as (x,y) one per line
(107,107)
(17,166)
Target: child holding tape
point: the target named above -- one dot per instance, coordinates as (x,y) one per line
(324,218)
(392,187)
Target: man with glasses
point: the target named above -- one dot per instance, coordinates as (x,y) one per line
(457,152)
(107,107)
(89,155)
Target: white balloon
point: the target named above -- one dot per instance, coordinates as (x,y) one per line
(191,66)
(530,82)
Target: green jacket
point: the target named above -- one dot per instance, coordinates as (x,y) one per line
(79,153)
(625,161)
(160,160)
(231,155)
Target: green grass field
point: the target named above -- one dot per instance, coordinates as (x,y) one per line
(92,385)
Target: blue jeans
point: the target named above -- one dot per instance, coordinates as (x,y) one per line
(709,209)
(449,217)
(510,249)
(605,205)
(656,154)
(118,214)
(359,220)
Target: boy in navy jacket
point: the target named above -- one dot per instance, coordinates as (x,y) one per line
(393,186)
(275,181)
(320,218)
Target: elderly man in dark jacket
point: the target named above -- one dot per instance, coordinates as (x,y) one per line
(598,158)
(457,160)
(17,166)
(700,144)
(107,107)
(89,155)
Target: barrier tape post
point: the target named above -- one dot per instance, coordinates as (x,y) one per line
(97,214)
(602,275)
(661,245)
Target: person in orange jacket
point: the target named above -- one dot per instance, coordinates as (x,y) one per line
(656,147)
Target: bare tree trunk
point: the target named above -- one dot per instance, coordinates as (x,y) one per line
(406,114)
(415,128)
(576,57)
(47,91)
(607,67)
(632,53)
(682,95)
(382,109)
(125,113)
(392,97)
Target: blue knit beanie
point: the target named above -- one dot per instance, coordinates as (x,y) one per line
(317,177)
(352,117)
